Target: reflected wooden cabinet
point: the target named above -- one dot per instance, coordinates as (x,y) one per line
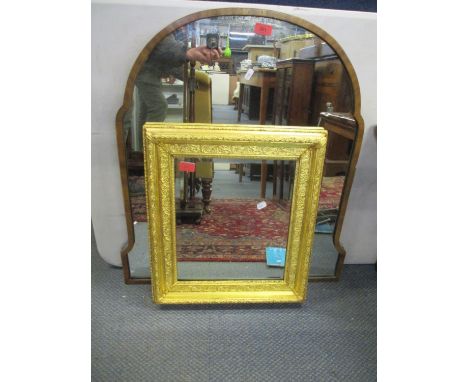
(331,84)
(305,86)
(294,79)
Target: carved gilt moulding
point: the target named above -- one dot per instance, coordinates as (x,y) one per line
(128,96)
(164,142)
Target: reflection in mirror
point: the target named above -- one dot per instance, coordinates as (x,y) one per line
(324,254)
(341,129)
(224,230)
(269,72)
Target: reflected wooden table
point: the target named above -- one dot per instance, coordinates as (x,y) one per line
(341,129)
(265,79)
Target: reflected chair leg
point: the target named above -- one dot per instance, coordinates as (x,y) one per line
(206,192)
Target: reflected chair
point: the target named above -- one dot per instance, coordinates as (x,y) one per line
(199,110)
(203,104)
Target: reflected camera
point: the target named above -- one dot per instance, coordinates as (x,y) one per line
(212,40)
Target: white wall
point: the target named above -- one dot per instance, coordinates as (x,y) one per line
(120,29)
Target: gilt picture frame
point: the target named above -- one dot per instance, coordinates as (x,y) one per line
(164,142)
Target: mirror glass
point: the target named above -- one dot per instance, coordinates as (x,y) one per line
(225,229)
(266,71)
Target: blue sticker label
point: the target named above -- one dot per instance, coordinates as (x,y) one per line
(275,256)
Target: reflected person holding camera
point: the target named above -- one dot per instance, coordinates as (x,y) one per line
(166,61)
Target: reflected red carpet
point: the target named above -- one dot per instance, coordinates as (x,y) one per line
(234,231)
(330,194)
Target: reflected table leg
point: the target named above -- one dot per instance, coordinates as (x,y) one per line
(275,175)
(281,187)
(241,100)
(264,92)
(240,169)
(263,178)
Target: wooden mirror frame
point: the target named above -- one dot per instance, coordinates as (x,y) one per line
(128,96)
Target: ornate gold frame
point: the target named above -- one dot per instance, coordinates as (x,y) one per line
(163,142)
(128,95)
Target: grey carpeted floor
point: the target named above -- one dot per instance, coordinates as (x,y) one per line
(332,337)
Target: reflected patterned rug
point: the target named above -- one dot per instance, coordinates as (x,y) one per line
(330,194)
(138,205)
(136,188)
(234,231)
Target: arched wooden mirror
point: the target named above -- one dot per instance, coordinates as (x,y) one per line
(280,70)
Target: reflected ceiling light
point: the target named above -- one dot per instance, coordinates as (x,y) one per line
(243,33)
